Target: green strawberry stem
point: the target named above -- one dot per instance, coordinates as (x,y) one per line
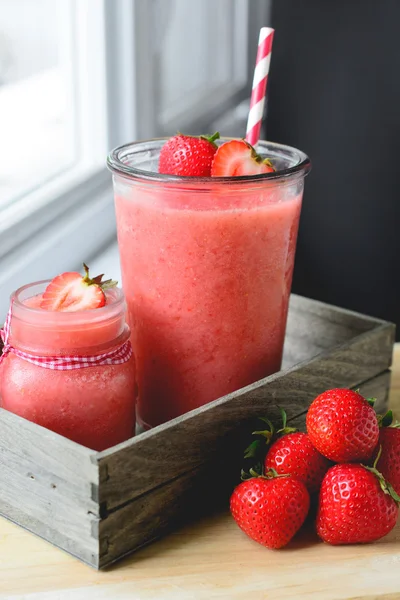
(259,159)
(253,449)
(385,420)
(98,280)
(257,473)
(267,433)
(284,430)
(211,138)
(377,457)
(386,487)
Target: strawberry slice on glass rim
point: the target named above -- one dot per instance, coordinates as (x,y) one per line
(237,158)
(71,291)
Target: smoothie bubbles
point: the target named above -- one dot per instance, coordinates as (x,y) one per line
(67,362)
(207,231)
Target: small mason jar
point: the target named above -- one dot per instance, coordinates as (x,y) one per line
(91,405)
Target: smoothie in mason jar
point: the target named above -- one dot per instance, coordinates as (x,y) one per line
(207,268)
(93,405)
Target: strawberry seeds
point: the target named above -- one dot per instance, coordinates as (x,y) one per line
(357,502)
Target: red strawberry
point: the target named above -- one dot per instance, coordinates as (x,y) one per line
(343,426)
(295,455)
(270,511)
(356,506)
(237,157)
(188,155)
(389,460)
(70,292)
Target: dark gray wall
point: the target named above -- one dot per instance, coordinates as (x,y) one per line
(334,91)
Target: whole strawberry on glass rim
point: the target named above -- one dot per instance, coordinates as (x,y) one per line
(71,291)
(188,155)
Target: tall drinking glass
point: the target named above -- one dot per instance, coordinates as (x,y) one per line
(207,269)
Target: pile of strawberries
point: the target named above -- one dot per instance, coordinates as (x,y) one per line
(357,498)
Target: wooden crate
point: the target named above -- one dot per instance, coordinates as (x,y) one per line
(102,506)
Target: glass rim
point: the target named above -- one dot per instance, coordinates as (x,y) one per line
(116,165)
(102,313)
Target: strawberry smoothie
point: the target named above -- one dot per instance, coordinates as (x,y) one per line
(94,406)
(207,269)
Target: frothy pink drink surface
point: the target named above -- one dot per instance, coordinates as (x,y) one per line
(93,406)
(207,281)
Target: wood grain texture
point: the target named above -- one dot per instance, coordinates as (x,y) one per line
(193,438)
(161,510)
(31,450)
(46,485)
(209,559)
(315,327)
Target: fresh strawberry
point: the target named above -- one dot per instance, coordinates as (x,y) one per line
(356,505)
(188,155)
(270,511)
(237,157)
(343,426)
(70,292)
(389,460)
(295,455)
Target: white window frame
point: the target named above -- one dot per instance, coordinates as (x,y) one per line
(71,218)
(205,104)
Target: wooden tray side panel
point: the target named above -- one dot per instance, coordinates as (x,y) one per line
(314,327)
(162,510)
(47,485)
(200,491)
(134,467)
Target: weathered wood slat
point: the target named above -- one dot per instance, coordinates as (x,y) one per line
(162,509)
(86,549)
(149,517)
(47,485)
(314,327)
(71,519)
(191,439)
(46,448)
(378,388)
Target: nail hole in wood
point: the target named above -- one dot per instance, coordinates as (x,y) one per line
(53,485)
(31,476)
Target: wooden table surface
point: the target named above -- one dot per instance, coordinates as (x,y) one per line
(211,559)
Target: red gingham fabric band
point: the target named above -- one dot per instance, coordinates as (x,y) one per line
(118,356)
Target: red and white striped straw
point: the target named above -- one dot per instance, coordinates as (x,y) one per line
(259,85)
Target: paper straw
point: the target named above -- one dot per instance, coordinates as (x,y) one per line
(259,85)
